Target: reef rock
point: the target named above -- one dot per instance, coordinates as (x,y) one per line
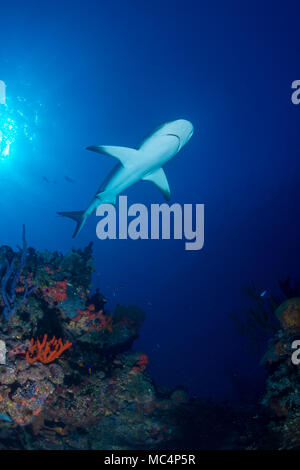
(69,378)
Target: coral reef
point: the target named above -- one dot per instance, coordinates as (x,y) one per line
(288,314)
(11,277)
(69,379)
(279,323)
(282,396)
(261,321)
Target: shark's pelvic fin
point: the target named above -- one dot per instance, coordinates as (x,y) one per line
(79,218)
(125,155)
(158,177)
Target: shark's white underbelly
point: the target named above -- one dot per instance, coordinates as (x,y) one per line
(152,157)
(117,181)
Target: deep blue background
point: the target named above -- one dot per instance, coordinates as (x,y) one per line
(110,72)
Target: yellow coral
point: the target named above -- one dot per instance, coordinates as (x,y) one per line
(288,313)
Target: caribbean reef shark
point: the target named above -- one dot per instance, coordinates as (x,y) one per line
(141,164)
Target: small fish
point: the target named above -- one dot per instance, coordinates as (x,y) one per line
(263,293)
(67,178)
(5,417)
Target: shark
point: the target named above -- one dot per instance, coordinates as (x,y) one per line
(144,163)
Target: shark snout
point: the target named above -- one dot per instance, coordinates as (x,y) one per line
(182,129)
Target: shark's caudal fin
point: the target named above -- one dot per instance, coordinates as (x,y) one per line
(79,218)
(125,155)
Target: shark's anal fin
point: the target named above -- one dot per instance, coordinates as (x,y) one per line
(125,155)
(158,177)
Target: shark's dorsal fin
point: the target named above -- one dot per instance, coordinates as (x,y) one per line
(158,177)
(125,155)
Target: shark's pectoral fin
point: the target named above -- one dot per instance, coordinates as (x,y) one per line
(125,155)
(158,177)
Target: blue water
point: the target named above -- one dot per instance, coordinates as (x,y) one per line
(85,73)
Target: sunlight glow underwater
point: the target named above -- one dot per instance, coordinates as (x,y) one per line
(16,122)
(8,131)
